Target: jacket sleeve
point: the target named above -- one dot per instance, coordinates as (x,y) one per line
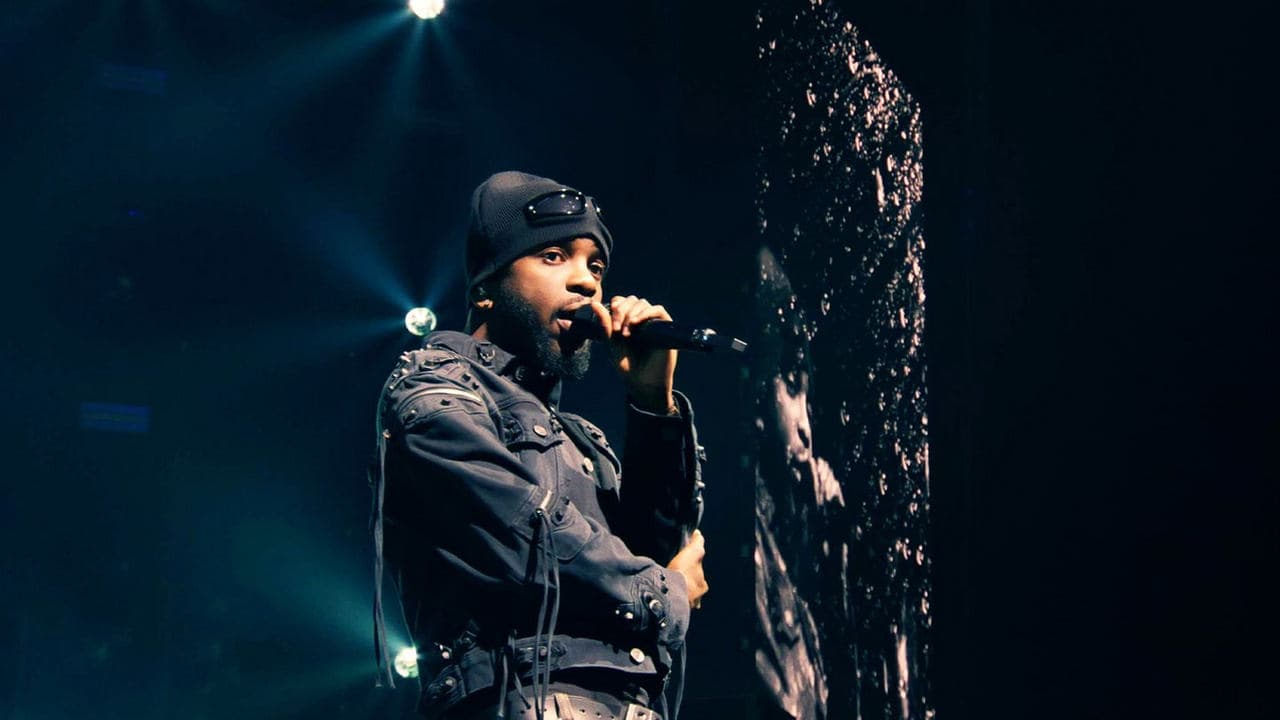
(448,461)
(661,484)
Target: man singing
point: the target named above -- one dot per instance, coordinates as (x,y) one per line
(538,579)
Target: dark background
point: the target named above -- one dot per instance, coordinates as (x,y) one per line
(221,210)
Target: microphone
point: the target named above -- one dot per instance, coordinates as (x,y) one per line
(658,334)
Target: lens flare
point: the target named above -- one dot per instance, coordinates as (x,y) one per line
(420,321)
(406,663)
(426,9)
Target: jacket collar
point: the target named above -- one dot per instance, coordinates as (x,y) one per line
(545,386)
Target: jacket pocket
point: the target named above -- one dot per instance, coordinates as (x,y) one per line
(608,468)
(570,531)
(550,513)
(526,426)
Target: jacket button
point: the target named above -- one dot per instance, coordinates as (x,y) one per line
(637,655)
(588,467)
(539,431)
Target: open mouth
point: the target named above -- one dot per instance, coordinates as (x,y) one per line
(574,332)
(564,318)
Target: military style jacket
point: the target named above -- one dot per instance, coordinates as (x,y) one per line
(489,501)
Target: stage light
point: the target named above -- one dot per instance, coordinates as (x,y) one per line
(420,321)
(406,663)
(426,9)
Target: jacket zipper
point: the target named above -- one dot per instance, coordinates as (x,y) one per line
(400,406)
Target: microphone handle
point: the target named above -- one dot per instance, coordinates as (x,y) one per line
(661,334)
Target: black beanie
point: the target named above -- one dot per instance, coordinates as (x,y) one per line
(499,232)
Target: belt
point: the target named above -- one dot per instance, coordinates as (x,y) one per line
(562,706)
(475,670)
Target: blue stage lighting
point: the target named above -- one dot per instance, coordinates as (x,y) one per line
(426,9)
(420,321)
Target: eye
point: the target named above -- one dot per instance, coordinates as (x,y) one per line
(552,254)
(598,268)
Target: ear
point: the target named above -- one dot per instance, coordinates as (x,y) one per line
(480,298)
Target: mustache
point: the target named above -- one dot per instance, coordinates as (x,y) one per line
(568,310)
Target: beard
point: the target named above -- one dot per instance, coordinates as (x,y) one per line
(527,332)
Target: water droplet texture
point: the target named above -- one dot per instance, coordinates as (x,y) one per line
(838,376)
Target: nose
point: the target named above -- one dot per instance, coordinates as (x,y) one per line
(581,280)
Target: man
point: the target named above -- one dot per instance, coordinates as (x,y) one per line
(536,581)
(797,498)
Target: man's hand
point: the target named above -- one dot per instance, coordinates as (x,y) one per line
(688,562)
(647,372)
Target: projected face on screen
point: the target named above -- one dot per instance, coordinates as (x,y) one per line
(795,433)
(841,561)
(794,486)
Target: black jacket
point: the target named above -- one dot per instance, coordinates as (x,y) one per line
(476,506)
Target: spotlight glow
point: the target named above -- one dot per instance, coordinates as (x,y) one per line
(406,663)
(426,9)
(420,321)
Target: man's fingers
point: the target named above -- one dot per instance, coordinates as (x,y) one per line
(624,312)
(689,562)
(659,312)
(644,315)
(619,307)
(700,591)
(602,314)
(630,311)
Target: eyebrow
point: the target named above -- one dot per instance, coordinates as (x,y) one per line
(597,252)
